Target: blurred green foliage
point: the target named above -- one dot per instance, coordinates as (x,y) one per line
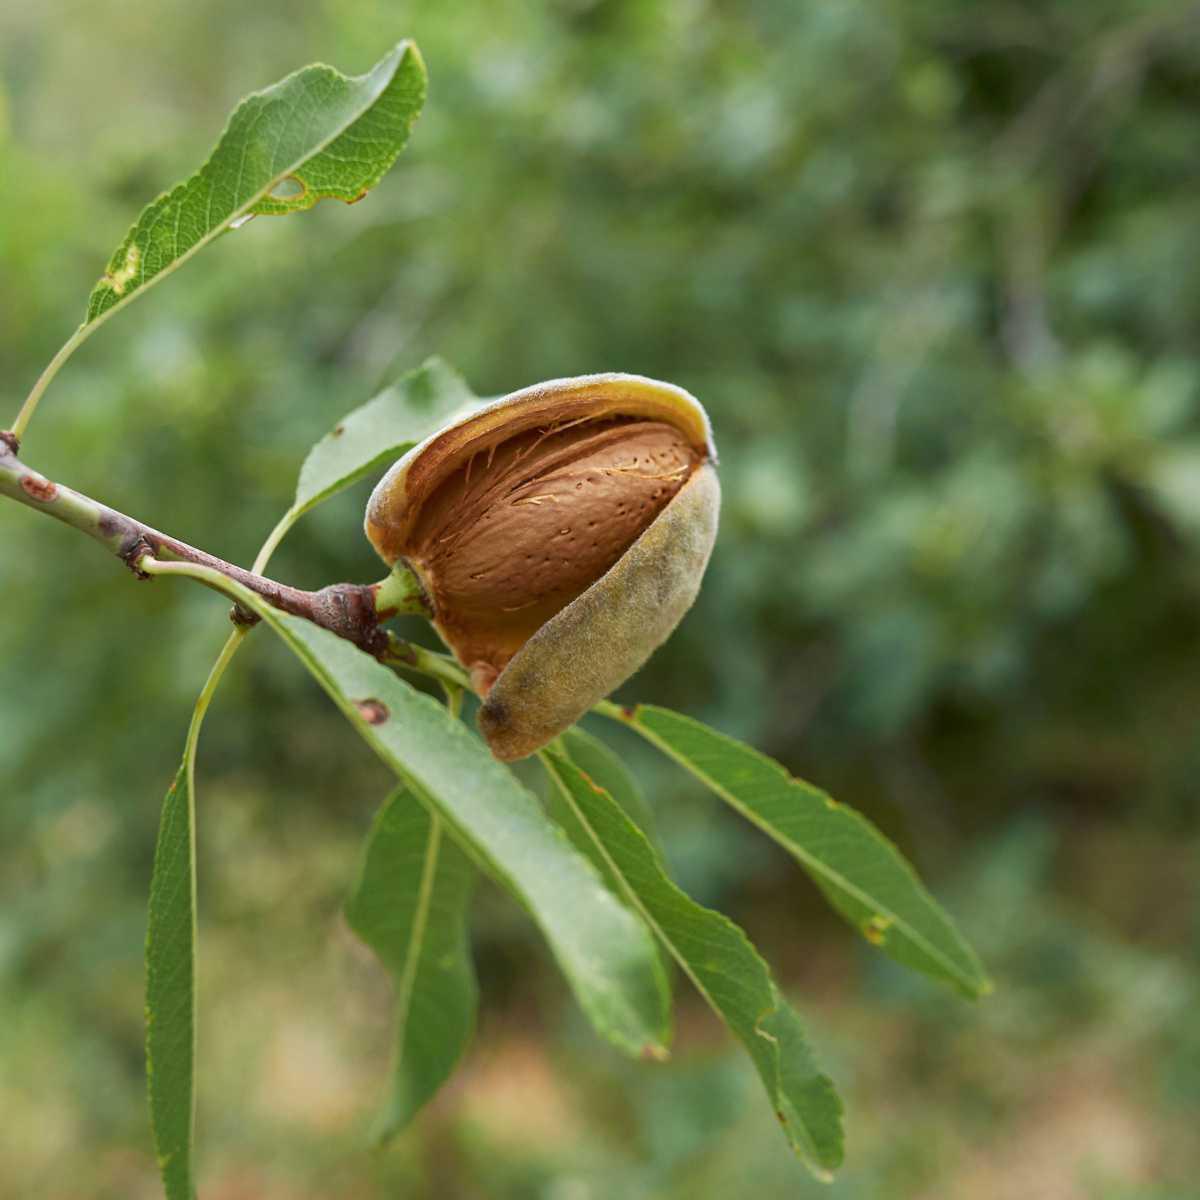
(929,265)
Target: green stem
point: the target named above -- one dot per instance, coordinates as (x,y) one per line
(232,644)
(454,698)
(55,365)
(442,667)
(401,592)
(268,548)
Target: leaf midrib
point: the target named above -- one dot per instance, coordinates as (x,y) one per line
(420,927)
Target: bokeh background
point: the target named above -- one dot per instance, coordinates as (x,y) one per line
(932,267)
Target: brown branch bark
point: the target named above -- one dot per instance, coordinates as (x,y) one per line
(347,609)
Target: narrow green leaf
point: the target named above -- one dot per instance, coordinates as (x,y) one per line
(719,959)
(318,134)
(171,961)
(410,906)
(603,767)
(171,991)
(860,872)
(604,950)
(372,437)
(377,433)
(601,764)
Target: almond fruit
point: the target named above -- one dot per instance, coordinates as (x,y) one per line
(560,534)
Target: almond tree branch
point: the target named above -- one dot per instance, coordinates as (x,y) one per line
(352,611)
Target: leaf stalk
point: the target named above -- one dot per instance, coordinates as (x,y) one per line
(52,368)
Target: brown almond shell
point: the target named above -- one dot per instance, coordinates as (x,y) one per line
(600,639)
(551,674)
(395,504)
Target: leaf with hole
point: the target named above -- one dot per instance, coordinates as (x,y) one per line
(318,134)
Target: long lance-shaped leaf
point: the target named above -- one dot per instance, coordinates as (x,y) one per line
(171,966)
(604,950)
(315,135)
(860,872)
(375,435)
(416,405)
(410,906)
(600,763)
(171,991)
(719,959)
